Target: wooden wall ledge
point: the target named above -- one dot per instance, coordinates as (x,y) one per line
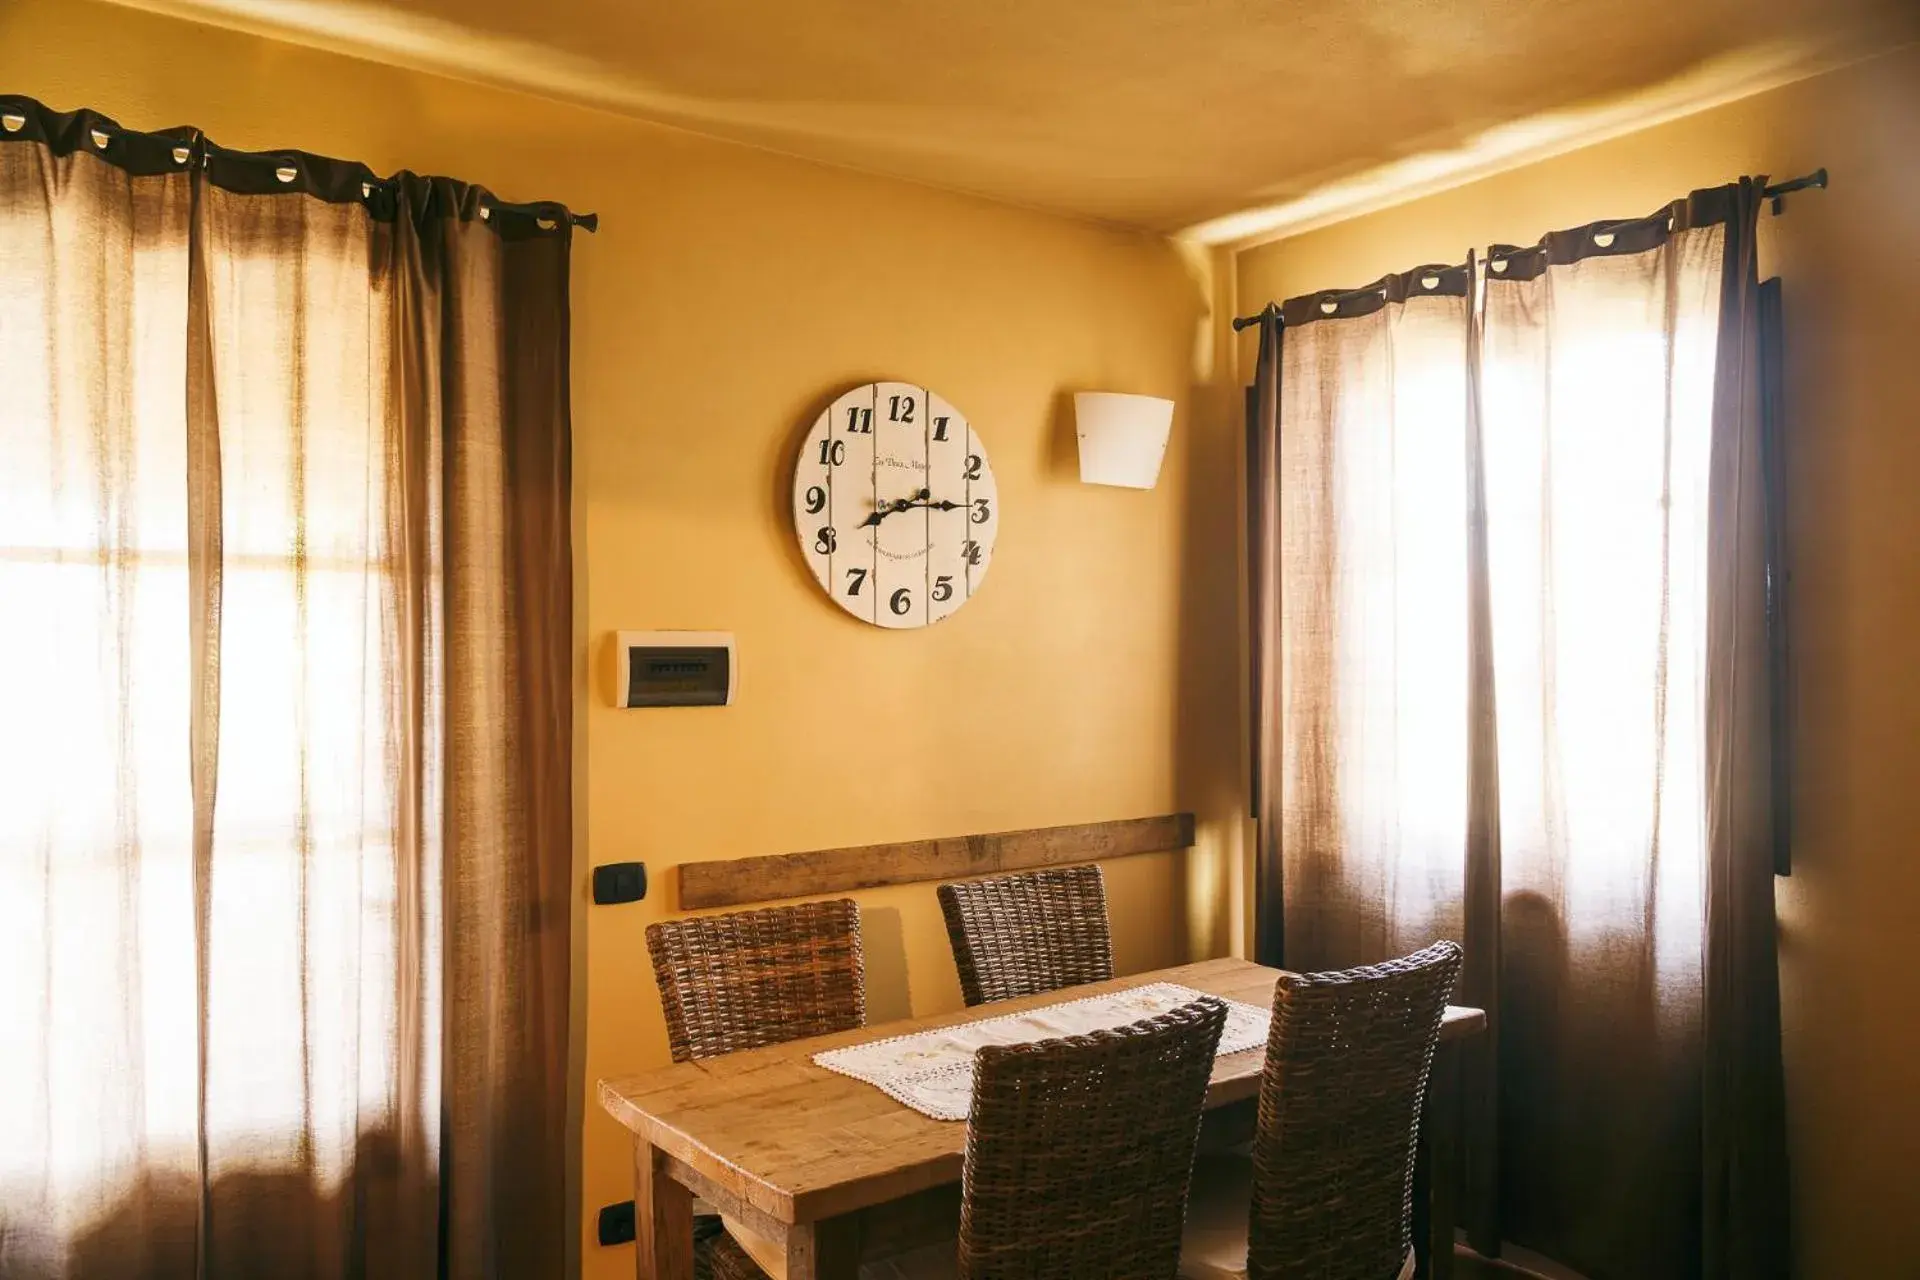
(738,881)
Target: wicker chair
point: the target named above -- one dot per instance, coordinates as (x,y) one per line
(1327,1192)
(1021,935)
(1078,1155)
(755,978)
(749,979)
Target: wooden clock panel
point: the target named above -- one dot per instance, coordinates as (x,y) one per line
(895,505)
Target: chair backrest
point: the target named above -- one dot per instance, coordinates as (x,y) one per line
(754,978)
(1340,1098)
(1023,934)
(1080,1149)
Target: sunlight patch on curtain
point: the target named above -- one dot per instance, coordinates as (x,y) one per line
(99,1059)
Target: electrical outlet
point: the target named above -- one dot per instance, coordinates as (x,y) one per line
(616,1223)
(619,882)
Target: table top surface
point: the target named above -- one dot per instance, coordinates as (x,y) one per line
(801,1143)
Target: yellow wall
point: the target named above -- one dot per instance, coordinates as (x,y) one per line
(729,294)
(1850,259)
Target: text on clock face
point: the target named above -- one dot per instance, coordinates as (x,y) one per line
(895,505)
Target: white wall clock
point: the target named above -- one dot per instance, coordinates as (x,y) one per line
(895,505)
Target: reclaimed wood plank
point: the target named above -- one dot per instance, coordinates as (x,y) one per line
(739,881)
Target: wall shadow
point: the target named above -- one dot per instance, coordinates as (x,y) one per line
(1063,439)
(1209,724)
(883,942)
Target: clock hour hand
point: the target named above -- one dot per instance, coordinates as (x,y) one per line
(902,504)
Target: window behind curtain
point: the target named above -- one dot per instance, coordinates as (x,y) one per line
(99,1014)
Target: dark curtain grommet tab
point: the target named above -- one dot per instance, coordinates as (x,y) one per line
(163,151)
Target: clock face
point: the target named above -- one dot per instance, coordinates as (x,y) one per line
(895,505)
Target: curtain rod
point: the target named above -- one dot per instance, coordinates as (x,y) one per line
(584,221)
(167,150)
(1817,180)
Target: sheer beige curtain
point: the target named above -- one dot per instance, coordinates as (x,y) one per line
(1374,774)
(283,825)
(98,1035)
(1520,562)
(1597,388)
(1372,532)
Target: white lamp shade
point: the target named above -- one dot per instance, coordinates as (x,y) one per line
(1122,438)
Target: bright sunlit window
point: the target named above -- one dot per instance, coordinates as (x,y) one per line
(101,1012)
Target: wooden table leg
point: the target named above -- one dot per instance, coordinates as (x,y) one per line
(1436,1168)
(662,1218)
(824,1250)
(1479,1146)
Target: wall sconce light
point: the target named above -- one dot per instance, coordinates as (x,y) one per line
(1122,438)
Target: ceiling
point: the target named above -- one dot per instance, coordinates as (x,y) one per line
(1159,114)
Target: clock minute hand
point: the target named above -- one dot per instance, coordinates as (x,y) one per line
(941,505)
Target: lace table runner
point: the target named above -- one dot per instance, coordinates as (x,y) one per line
(932,1071)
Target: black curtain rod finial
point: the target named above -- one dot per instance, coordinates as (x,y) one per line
(1815,181)
(1247,322)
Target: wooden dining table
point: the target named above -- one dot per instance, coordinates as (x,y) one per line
(833,1172)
